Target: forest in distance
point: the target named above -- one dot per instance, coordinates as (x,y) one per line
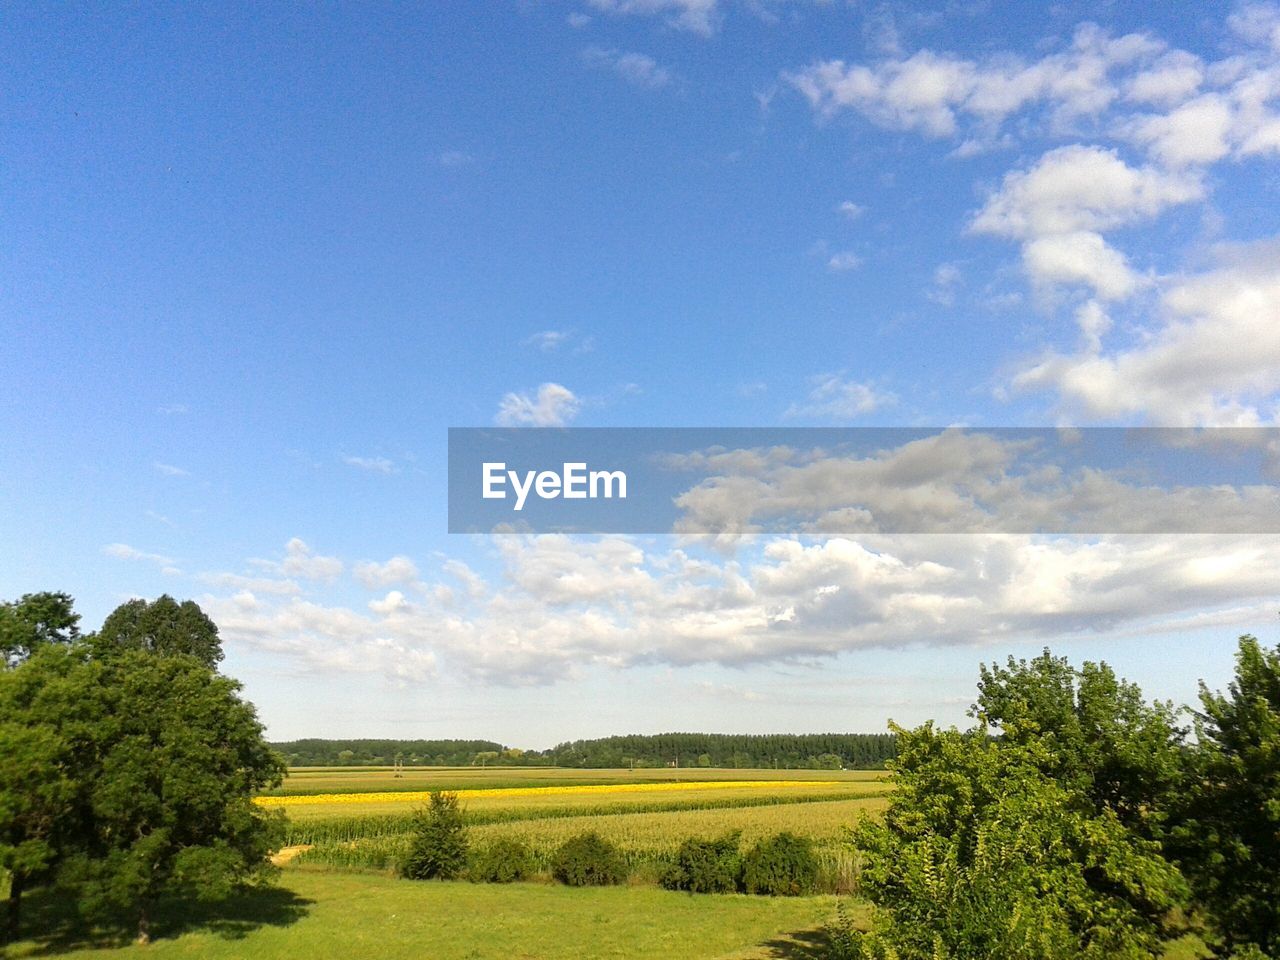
(811,751)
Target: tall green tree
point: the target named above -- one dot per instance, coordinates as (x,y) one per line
(1233,826)
(35,620)
(162,626)
(981,854)
(1100,735)
(50,725)
(170,796)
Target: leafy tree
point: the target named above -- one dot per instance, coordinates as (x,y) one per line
(982,854)
(439,845)
(1233,827)
(35,620)
(1100,736)
(168,793)
(163,626)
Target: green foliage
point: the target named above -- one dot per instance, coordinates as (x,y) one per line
(163,626)
(588,860)
(503,860)
(706,866)
(982,854)
(129,776)
(438,848)
(782,865)
(168,794)
(1232,834)
(1101,739)
(33,621)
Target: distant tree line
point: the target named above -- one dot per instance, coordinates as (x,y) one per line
(314,752)
(784,751)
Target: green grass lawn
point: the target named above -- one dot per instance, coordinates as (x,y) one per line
(320,914)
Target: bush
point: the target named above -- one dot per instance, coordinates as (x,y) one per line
(706,866)
(502,861)
(588,860)
(438,848)
(782,865)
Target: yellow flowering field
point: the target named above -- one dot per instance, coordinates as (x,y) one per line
(417,797)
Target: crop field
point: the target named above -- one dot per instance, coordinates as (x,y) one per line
(646,818)
(330,780)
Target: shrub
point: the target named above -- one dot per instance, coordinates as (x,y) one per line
(588,860)
(781,865)
(706,866)
(502,861)
(438,848)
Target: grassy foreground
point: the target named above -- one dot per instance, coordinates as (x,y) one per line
(323,914)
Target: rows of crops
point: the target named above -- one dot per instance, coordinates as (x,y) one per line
(330,780)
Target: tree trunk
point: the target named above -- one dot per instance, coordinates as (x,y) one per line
(144,926)
(17,880)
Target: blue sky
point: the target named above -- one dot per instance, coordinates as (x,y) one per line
(256,263)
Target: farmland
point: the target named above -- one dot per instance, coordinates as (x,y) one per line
(647,815)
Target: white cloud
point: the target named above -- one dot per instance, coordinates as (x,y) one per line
(1081,257)
(843,260)
(1215,360)
(1077,188)
(553,406)
(456,158)
(252,585)
(546,340)
(1194,133)
(122,551)
(560,603)
(832,397)
(946,278)
(300,561)
(638,69)
(398,570)
(174,409)
(696,16)
(169,470)
(850,210)
(372,464)
(932,92)
(1173,78)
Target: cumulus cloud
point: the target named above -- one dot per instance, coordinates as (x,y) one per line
(398,570)
(169,470)
(552,406)
(1080,257)
(300,561)
(637,69)
(1080,187)
(558,604)
(1213,359)
(833,398)
(968,482)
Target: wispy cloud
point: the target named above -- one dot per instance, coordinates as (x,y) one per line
(637,69)
(169,470)
(832,397)
(553,405)
(372,464)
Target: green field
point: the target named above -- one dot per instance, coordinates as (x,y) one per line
(340,898)
(321,915)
